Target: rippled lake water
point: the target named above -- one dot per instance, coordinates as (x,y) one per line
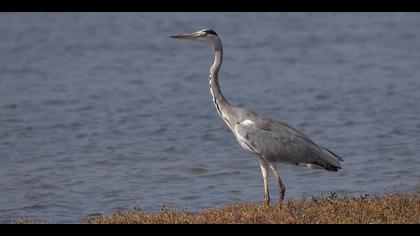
(102,111)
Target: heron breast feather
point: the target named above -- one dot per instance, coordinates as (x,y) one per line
(247,122)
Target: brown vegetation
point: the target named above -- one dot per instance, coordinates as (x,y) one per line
(390,208)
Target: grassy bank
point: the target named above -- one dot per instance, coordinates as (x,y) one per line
(388,208)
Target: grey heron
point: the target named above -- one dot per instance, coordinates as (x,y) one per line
(271,141)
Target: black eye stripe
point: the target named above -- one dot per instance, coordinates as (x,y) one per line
(209,31)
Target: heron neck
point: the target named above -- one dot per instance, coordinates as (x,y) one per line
(222,105)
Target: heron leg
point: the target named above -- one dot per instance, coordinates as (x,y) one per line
(281,185)
(264,170)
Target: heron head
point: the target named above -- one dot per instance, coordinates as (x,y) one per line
(205,35)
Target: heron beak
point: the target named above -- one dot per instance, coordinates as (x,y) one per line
(183,36)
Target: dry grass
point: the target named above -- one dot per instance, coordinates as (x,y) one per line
(391,208)
(27,221)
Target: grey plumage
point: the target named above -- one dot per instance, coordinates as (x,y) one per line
(277,142)
(271,141)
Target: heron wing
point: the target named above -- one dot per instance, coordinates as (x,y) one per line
(278,142)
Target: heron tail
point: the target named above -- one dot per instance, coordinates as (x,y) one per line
(332,153)
(327,160)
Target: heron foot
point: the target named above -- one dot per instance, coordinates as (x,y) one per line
(267,200)
(282,192)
